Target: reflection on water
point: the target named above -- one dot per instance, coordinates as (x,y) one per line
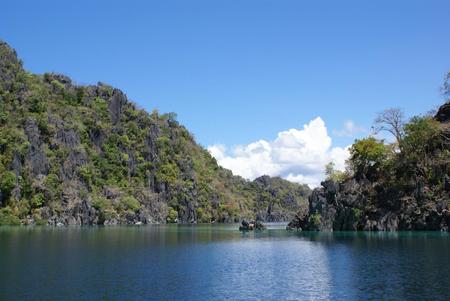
(201,262)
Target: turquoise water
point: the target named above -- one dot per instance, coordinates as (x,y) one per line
(169,262)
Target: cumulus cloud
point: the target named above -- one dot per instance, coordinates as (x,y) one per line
(350,129)
(298,155)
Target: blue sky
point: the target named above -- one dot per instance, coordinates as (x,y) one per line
(236,72)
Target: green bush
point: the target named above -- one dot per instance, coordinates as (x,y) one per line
(315,221)
(168,173)
(366,156)
(51,182)
(130,203)
(104,206)
(37,105)
(23,208)
(88,174)
(172,216)
(100,107)
(40,221)
(8,218)
(357,213)
(333,174)
(203,216)
(37,201)
(101,203)
(420,134)
(3,117)
(7,182)
(58,85)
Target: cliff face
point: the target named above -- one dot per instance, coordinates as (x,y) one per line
(349,206)
(278,199)
(415,197)
(81,155)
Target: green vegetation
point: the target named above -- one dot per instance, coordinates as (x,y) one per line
(401,185)
(129,203)
(367,157)
(172,216)
(101,203)
(7,217)
(357,213)
(333,174)
(423,154)
(85,154)
(37,200)
(315,221)
(413,171)
(7,182)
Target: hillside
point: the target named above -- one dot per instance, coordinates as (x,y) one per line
(85,155)
(389,187)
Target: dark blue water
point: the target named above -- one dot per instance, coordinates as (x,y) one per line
(220,263)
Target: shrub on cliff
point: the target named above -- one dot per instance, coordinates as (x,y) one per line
(129,203)
(367,156)
(172,216)
(7,217)
(7,183)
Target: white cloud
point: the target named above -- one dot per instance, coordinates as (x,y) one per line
(350,130)
(298,155)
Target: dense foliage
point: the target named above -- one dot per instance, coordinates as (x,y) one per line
(73,154)
(423,156)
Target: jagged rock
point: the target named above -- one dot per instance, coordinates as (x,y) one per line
(67,138)
(299,222)
(443,114)
(250,226)
(116,105)
(9,66)
(111,192)
(16,165)
(61,78)
(36,157)
(77,157)
(331,210)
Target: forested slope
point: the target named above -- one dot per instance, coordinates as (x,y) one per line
(81,155)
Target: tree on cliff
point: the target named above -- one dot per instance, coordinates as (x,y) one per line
(367,156)
(392,121)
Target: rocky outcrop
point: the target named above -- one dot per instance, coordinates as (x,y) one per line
(383,205)
(9,66)
(443,114)
(252,225)
(116,105)
(347,207)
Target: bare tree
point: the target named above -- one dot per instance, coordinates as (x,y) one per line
(392,121)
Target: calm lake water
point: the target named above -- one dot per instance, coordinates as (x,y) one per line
(169,262)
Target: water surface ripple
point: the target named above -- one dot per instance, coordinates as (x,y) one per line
(217,262)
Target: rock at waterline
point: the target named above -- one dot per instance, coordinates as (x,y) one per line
(250,226)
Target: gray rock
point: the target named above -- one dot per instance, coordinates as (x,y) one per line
(250,226)
(116,105)
(35,157)
(9,66)
(346,207)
